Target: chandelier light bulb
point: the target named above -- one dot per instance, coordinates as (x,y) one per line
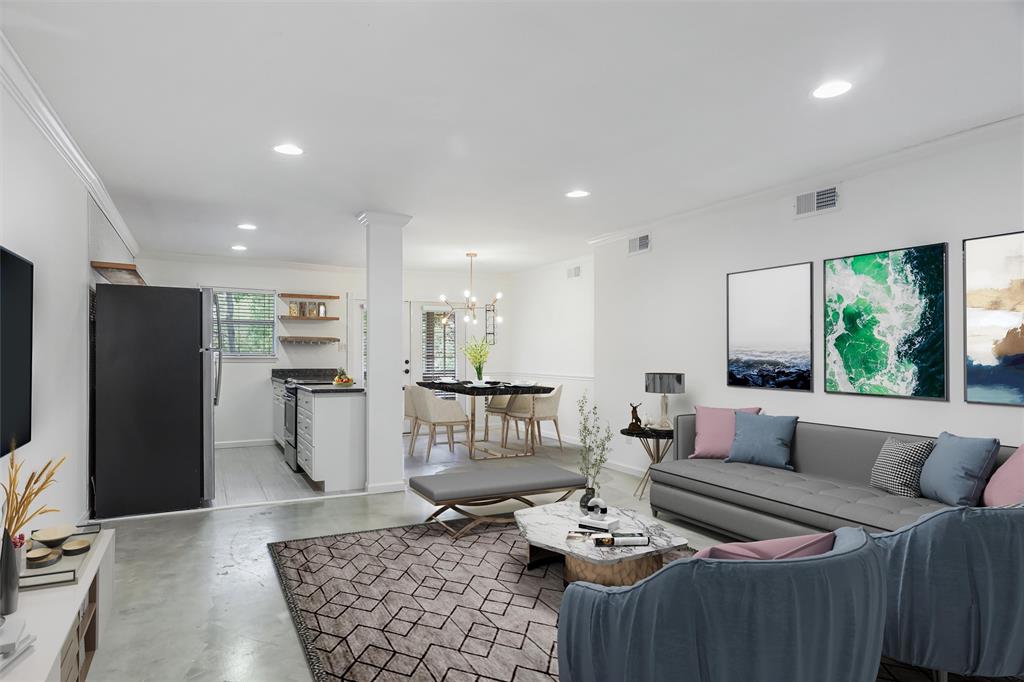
(466,318)
(465,294)
(499,319)
(472,299)
(474,320)
(443,298)
(497,296)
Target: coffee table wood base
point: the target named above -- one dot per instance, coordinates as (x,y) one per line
(622,573)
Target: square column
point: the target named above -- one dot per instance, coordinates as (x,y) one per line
(385,402)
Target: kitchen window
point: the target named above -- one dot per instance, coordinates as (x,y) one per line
(247,323)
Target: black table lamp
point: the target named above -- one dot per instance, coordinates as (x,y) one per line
(665,383)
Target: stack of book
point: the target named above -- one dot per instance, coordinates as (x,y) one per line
(602,533)
(13,640)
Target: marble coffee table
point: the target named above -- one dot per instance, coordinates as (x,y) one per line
(545,528)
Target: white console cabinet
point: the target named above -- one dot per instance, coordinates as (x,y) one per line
(331,437)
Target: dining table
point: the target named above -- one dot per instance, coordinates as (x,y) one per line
(474,390)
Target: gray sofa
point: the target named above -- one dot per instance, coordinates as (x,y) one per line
(828,488)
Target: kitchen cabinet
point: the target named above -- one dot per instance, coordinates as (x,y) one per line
(278,411)
(331,437)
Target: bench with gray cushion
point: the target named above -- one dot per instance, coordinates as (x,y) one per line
(483,484)
(828,488)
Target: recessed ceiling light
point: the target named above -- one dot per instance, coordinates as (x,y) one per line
(246,226)
(238,247)
(288,148)
(577,194)
(832,89)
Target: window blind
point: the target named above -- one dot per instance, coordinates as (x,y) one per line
(438,348)
(247,323)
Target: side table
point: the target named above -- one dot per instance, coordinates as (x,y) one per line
(657,443)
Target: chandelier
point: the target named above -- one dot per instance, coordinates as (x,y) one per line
(469,308)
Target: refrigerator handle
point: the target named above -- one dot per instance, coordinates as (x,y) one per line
(220,351)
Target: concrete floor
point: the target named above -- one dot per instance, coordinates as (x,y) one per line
(197,597)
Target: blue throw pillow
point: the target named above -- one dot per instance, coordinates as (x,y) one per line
(761,439)
(958,468)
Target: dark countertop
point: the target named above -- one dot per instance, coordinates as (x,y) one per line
(496,388)
(303,373)
(331,389)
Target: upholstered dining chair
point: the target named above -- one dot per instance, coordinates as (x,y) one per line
(803,619)
(956,602)
(532,410)
(434,412)
(497,405)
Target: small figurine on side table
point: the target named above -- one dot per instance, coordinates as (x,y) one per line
(635,425)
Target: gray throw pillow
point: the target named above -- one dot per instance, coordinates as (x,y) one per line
(958,468)
(761,439)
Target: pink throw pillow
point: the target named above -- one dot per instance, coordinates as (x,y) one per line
(716,429)
(766,550)
(1006,486)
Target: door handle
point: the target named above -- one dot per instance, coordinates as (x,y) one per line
(405,371)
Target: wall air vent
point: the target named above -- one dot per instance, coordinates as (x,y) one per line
(641,244)
(819,201)
(573,272)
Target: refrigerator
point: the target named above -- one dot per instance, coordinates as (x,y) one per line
(156,383)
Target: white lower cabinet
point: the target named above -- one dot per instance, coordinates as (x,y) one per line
(331,438)
(279,412)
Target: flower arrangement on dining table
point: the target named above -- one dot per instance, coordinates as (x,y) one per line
(476,351)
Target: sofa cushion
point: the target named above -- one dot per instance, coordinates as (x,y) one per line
(898,467)
(716,428)
(768,550)
(1006,487)
(958,468)
(812,501)
(761,439)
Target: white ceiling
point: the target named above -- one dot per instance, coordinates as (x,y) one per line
(475,118)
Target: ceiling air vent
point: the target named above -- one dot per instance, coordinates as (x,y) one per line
(819,201)
(573,272)
(641,244)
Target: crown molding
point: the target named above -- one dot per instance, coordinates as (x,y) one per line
(17,80)
(985,131)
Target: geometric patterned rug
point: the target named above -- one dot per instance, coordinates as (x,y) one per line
(410,603)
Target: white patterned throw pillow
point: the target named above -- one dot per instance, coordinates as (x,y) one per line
(898,467)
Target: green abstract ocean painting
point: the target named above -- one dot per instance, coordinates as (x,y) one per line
(885,323)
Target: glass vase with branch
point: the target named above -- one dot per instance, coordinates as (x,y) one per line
(595,436)
(476,351)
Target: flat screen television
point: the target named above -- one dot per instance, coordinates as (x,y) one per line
(15,350)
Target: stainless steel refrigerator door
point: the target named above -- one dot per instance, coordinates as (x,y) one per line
(209,398)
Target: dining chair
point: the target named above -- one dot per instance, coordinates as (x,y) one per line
(497,406)
(545,409)
(520,409)
(435,412)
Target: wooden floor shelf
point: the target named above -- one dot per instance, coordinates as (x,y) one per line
(300,318)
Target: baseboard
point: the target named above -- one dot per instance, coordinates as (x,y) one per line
(244,443)
(625,468)
(392,487)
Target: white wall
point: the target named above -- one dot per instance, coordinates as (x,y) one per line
(666,310)
(44,217)
(549,333)
(244,416)
(104,242)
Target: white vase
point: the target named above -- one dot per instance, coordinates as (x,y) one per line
(21,552)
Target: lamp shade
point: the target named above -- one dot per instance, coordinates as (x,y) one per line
(665,382)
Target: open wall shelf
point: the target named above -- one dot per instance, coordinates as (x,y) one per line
(318,297)
(118,273)
(315,340)
(300,318)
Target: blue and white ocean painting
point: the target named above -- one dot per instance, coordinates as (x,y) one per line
(770,328)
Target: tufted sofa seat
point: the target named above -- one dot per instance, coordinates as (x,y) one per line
(828,489)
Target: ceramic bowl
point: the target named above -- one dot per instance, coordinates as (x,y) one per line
(76,546)
(54,536)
